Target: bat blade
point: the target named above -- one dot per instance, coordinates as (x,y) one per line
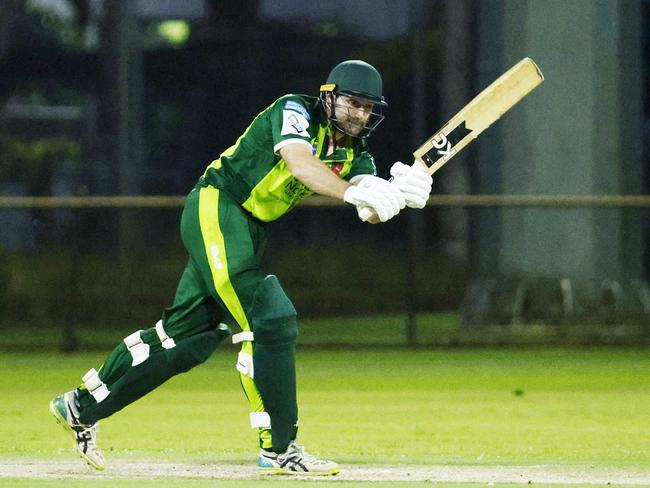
(487,107)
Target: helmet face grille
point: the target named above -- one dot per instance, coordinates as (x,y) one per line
(375,117)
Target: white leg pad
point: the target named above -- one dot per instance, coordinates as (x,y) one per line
(166,341)
(245,335)
(137,347)
(260,420)
(95,386)
(245,364)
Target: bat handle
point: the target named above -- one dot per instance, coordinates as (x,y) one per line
(418,162)
(365,213)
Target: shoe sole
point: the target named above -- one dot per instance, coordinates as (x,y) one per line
(285,472)
(62,422)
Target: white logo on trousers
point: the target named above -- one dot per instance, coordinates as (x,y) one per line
(214,250)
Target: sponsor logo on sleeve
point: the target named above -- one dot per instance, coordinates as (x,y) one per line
(294,123)
(297,107)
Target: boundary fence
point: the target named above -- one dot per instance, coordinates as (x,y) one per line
(455,200)
(164,201)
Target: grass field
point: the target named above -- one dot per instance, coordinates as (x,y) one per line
(434,330)
(465,417)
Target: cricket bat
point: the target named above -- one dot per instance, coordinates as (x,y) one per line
(475,117)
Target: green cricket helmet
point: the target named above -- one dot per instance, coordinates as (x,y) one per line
(360,80)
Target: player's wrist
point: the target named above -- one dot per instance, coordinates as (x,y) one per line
(350,195)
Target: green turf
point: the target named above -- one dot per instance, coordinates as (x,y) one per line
(381,331)
(273,483)
(583,407)
(388,330)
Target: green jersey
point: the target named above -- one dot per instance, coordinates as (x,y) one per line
(254,173)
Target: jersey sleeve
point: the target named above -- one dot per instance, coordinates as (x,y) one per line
(290,122)
(363,164)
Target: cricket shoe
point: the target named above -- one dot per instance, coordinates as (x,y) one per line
(296,461)
(66,413)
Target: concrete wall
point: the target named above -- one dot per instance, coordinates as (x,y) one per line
(579,133)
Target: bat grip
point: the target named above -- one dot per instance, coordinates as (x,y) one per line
(365,213)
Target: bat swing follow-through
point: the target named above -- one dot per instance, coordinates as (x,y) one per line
(475,117)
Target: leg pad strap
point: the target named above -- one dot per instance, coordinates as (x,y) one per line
(166,341)
(137,347)
(244,336)
(95,386)
(245,364)
(260,420)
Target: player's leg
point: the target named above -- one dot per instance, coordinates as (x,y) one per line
(269,380)
(123,386)
(187,335)
(233,241)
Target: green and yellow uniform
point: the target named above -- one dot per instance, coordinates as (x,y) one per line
(255,175)
(223,228)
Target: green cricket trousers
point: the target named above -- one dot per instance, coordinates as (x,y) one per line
(222,278)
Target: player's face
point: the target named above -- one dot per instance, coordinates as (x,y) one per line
(352,113)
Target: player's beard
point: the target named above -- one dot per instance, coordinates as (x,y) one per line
(351,125)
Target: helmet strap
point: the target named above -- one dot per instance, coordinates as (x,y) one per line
(329,102)
(334,124)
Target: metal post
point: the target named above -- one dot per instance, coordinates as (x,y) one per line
(415,218)
(69,339)
(125,69)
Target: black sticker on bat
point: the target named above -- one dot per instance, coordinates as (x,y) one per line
(458,134)
(444,147)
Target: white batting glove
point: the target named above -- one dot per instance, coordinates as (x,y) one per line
(377,195)
(413,182)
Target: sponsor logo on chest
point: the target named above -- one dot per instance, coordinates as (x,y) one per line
(295,190)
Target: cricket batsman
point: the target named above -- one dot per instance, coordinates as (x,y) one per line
(298,146)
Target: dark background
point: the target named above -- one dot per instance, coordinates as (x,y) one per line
(97,100)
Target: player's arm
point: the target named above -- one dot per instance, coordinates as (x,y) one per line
(376,193)
(312,171)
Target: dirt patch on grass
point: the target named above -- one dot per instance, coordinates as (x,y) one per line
(128,469)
